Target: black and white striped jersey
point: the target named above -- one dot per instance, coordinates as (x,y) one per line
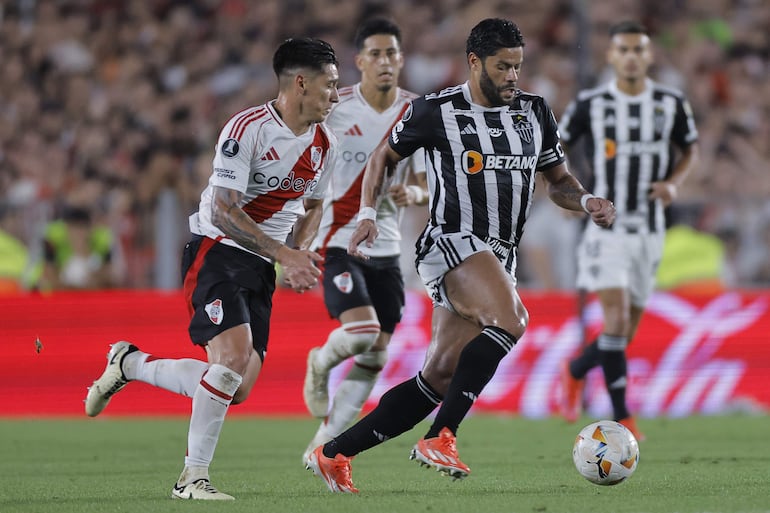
(480,161)
(629,145)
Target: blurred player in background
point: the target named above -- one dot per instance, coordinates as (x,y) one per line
(271,170)
(631,124)
(484,141)
(366,296)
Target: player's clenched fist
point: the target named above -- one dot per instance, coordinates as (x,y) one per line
(602,211)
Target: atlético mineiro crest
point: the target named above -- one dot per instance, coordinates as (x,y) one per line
(344,282)
(215,311)
(523,127)
(315,157)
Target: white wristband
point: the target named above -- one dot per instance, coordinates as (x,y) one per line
(419,194)
(584,201)
(367,213)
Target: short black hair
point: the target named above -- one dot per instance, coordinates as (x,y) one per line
(303,52)
(492,34)
(375,26)
(627,27)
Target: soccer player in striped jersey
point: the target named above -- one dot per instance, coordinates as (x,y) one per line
(271,169)
(366,296)
(484,141)
(631,126)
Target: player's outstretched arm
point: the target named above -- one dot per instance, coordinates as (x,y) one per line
(566,191)
(381,162)
(227,215)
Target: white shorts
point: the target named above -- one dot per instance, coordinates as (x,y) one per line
(447,251)
(610,259)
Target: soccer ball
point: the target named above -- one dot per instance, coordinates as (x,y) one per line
(605,452)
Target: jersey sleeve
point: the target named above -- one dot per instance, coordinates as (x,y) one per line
(551,154)
(684,132)
(409,133)
(232,158)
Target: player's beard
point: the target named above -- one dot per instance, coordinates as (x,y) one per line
(491,91)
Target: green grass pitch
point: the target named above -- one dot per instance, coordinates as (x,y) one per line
(109,464)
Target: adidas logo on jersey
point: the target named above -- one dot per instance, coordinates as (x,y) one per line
(354,130)
(468,130)
(271,155)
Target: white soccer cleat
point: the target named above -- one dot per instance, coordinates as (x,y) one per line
(200,489)
(111,381)
(316,388)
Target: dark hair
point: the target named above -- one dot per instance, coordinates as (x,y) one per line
(375,26)
(492,34)
(627,27)
(304,52)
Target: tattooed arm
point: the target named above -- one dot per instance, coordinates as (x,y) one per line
(566,191)
(228,216)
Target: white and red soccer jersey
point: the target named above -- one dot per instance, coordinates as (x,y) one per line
(359,129)
(258,155)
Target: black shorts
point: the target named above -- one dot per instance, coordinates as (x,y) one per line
(350,282)
(225,287)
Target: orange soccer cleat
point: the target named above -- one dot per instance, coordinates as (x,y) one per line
(441,453)
(334,471)
(630,424)
(571,394)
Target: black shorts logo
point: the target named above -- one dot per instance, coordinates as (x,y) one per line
(230,148)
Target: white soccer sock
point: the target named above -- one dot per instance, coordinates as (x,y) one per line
(353,392)
(350,339)
(180,376)
(209,407)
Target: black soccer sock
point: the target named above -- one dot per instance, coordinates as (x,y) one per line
(399,410)
(587,360)
(612,354)
(476,366)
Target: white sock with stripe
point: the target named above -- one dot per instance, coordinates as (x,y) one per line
(180,376)
(353,391)
(209,407)
(350,339)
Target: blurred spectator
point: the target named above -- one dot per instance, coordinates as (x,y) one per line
(131,94)
(78,253)
(13,254)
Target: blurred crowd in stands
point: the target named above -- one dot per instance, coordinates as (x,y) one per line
(109,111)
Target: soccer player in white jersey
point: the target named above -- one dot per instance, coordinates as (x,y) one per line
(271,169)
(631,125)
(484,141)
(366,296)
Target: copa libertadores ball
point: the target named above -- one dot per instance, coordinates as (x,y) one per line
(605,452)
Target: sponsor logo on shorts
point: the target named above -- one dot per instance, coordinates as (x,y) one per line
(501,248)
(215,311)
(344,282)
